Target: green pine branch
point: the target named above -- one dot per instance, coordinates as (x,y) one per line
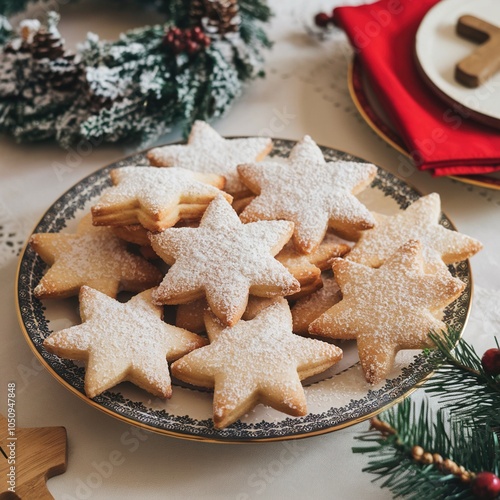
(464,430)
(252,32)
(461,383)
(256,9)
(5,29)
(10,7)
(176,11)
(475,447)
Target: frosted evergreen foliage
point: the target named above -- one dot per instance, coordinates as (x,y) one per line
(132,88)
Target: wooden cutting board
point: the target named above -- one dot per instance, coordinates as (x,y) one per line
(36,454)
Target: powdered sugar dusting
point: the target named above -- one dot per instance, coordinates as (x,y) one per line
(225,259)
(309,192)
(419,222)
(307,309)
(387,309)
(123,342)
(157,189)
(94,256)
(208,152)
(99,254)
(397,287)
(325,295)
(258,360)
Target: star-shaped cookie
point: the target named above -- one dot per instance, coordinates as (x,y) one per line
(224,260)
(206,151)
(310,192)
(256,361)
(123,341)
(306,268)
(156,197)
(308,308)
(420,221)
(192,316)
(93,256)
(387,309)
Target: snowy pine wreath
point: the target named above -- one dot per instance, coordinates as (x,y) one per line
(192,67)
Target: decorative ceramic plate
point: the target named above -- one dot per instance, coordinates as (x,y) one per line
(337,398)
(438,49)
(373,113)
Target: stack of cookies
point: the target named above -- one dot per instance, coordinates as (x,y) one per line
(244,249)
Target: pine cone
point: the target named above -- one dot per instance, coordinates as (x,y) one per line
(17,46)
(96,103)
(65,73)
(47,44)
(217,16)
(9,87)
(197,11)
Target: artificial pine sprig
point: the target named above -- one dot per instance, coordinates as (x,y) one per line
(461,382)
(136,87)
(453,453)
(5,29)
(9,7)
(427,456)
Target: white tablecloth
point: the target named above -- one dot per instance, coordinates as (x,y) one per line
(305,92)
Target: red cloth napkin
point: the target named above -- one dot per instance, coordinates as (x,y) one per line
(383,34)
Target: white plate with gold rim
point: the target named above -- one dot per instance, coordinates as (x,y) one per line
(337,398)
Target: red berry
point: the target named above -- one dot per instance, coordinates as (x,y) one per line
(206,41)
(198,35)
(486,485)
(176,31)
(491,361)
(322,19)
(178,46)
(169,37)
(192,47)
